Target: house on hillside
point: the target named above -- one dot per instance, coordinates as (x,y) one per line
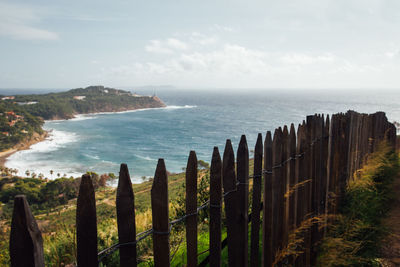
(79,97)
(8,98)
(27,103)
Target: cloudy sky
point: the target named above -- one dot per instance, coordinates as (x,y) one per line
(196,44)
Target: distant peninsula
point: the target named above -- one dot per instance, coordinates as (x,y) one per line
(22,116)
(92,99)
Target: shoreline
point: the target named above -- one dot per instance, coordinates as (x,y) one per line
(26,144)
(80,115)
(36,138)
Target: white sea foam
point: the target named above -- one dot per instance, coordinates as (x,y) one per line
(179,107)
(145,157)
(78,117)
(89,116)
(83,117)
(36,159)
(91,156)
(143,109)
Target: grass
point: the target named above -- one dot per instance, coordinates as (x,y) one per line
(352,240)
(356,235)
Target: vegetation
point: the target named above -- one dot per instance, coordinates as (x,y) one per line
(352,240)
(16,124)
(22,116)
(356,235)
(92,99)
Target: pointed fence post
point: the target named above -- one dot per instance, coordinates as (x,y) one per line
(126,218)
(231,205)
(243,195)
(310,172)
(191,209)
(285,187)
(324,170)
(267,252)
(160,213)
(215,208)
(256,205)
(277,188)
(301,178)
(86,226)
(26,243)
(291,167)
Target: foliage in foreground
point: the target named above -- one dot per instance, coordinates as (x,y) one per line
(354,238)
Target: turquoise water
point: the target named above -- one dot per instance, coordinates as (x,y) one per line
(193,120)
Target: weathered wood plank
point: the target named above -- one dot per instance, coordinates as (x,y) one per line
(125,204)
(277,191)
(285,186)
(301,178)
(310,172)
(191,209)
(215,208)
(243,198)
(26,243)
(291,169)
(325,172)
(160,213)
(86,226)
(231,205)
(256,203)
(267,251)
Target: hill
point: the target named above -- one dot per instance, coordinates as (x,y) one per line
(22,116)
(92,99)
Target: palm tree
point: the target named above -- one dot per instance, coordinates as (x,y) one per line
(51,173)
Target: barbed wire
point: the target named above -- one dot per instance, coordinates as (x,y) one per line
(139,237)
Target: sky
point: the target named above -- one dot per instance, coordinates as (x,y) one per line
(200,44)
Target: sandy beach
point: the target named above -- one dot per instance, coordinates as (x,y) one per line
(35,138)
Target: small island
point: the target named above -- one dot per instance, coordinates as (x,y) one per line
(22,116)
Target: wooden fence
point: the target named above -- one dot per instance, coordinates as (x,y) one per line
(301,175)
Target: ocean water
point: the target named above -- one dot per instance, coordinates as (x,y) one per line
(193,120)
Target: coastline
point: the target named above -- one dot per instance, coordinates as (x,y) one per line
(34,139)
(37,138)
(4,155)
(80,115)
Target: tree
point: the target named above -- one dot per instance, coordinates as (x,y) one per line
(27,173)
(51,173)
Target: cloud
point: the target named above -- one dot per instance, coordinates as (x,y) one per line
(197,59)
(305,59)
(167,46)
(222,28)
(156,46)
(176,44)
(392,54)
(201,39)
(16,22)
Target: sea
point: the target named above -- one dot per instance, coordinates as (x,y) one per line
(193,120)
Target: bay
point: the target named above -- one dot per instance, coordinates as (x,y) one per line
(193,120)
